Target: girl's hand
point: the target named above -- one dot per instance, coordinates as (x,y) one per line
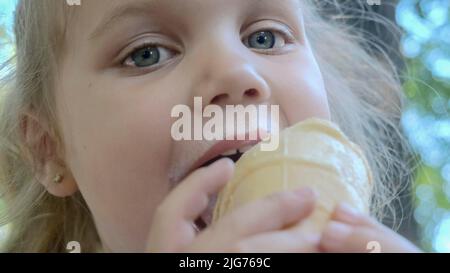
(350,231)
(255,227)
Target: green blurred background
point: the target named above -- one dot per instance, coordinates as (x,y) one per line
(425,44)
(426,120)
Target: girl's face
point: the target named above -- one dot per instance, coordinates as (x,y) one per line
(129,62)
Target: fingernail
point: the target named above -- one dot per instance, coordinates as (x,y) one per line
(347,213)
(335,233)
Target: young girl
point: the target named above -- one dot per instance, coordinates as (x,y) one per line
(85,143)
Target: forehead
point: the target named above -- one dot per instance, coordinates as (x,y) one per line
(103,13)
(180,5)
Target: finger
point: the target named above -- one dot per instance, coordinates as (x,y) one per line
(271,213)
(347,214)
(340,237)
(191,197)
(172,225)
(362,222)
(285,241)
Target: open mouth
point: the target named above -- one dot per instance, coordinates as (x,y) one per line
(231,154)
(235,154)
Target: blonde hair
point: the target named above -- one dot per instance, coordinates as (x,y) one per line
(365,99)
(365,94)
(39,221)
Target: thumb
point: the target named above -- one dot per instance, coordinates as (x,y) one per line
(173,221)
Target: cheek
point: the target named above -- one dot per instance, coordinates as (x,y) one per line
(301,92)
(118,150)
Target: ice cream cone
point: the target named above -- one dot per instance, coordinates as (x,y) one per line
(315,154)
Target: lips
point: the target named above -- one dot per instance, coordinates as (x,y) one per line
(232,149)
(233,153)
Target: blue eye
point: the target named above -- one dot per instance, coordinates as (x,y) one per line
(147,56)
(262,40)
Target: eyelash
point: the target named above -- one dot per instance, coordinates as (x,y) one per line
(287,35)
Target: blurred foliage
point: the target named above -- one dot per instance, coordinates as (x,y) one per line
(422,88)
(426,120)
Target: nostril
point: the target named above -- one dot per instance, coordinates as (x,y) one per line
(251,93)
(218,98)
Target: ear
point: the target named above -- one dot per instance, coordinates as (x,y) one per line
(51,171)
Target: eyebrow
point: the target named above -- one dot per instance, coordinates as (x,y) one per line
(139,8)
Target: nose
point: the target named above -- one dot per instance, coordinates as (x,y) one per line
(228,77)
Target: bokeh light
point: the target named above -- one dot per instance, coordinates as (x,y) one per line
(426,121)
